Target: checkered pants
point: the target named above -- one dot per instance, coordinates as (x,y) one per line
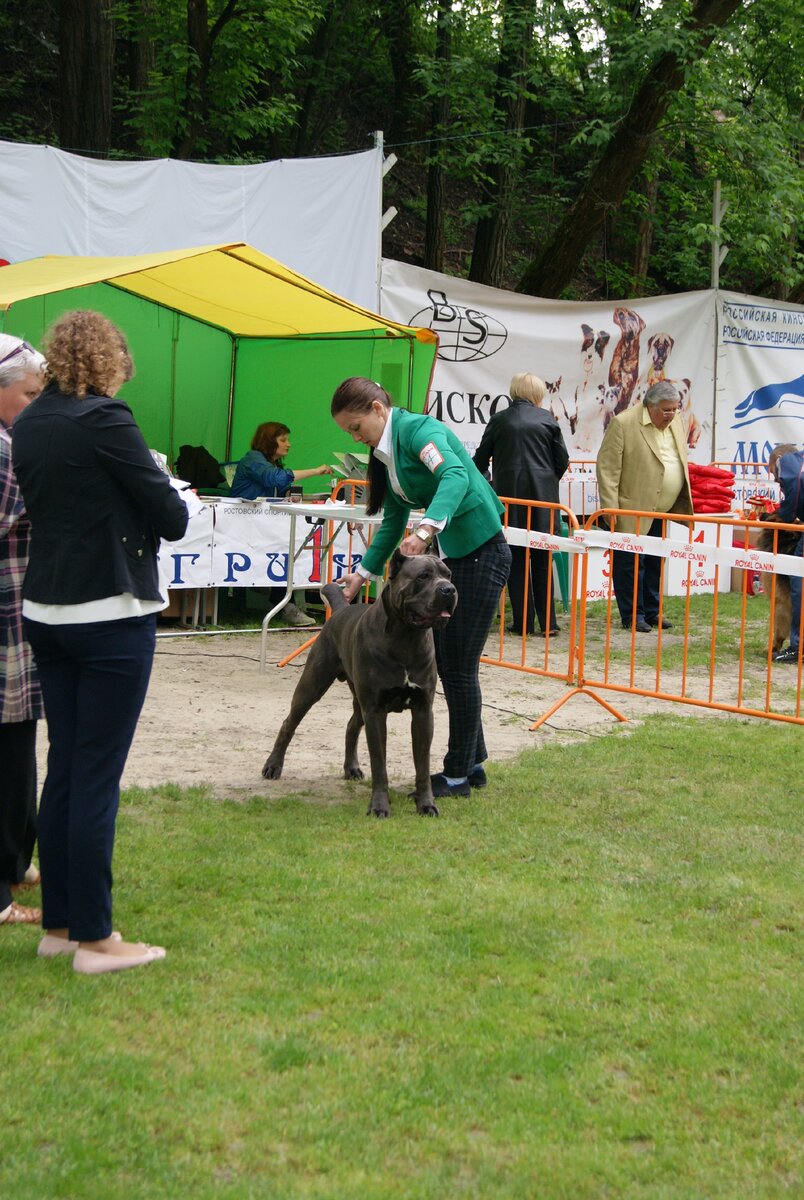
(479,578)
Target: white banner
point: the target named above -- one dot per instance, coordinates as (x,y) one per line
(235,543)
(746,559)
(320,216)
(596,359)
(760,378)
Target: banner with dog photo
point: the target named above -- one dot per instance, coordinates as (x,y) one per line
(760,380)
(597,359)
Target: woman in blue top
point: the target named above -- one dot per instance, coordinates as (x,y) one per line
(262,472)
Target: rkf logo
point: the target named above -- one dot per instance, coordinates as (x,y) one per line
(771,401)
(464,334)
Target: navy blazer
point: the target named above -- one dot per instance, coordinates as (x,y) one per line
(97,502)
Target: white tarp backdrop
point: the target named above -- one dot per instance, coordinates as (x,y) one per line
(596,358)
(760,377)
(320,216)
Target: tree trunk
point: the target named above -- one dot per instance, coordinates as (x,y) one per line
(201,42)
(434,232)
(645,234)
(623,158)
(397,24)
(491,235)
(86,68)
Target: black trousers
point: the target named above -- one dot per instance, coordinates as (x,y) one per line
(479,577)
(17,803)
(94,678)
(535,599)
(648,581)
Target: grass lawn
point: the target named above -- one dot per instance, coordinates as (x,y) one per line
(584,981)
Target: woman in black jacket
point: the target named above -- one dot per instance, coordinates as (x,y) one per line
(98,505)
(528,457)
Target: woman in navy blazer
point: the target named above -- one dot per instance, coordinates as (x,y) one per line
(416,462)
(98,505)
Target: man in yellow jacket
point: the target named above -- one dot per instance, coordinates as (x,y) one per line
(642,464)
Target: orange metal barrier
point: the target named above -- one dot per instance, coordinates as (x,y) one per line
(718,655)
(555,656)
(711,658)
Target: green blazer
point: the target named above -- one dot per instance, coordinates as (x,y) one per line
(438,475)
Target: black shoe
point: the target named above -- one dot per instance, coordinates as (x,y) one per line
(442,788)
(518,632)
(786,656)
(477,778)
(654,621)
(641,625)
(553,632)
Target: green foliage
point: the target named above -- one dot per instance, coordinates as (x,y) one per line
(246,95)
(290,77)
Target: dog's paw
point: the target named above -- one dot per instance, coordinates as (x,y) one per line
(272,769)
(427,810)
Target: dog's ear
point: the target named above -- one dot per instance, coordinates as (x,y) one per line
(395,564)
(603,339)
(651,340)
(588,336)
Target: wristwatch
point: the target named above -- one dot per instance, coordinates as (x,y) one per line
(423,534)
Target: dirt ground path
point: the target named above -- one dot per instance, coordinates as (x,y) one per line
(210,718)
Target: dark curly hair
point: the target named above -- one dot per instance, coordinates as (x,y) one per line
(86,354)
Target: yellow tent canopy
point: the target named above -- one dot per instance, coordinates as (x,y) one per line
(223,338)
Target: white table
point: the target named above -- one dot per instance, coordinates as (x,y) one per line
(331,511)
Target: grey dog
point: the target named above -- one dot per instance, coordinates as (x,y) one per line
(385,652)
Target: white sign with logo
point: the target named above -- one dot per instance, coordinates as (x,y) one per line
(597,359)
(760,378)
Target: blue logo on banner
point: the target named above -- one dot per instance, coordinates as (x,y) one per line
(768,401)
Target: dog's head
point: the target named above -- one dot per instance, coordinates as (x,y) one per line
(659,347)
(629,322)
(420,590)
(594,343)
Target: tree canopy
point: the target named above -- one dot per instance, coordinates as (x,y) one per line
(565,147)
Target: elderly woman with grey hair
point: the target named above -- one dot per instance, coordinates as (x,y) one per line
(526,450)
(642,464)
(21,381)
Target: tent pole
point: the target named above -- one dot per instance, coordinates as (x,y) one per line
(174,341)
(230,412)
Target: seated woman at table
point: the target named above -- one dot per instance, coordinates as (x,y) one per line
(262,472)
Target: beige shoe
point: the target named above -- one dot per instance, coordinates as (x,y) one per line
(291,614)
(95,962)
(52,947)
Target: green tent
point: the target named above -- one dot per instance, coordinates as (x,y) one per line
(224,338)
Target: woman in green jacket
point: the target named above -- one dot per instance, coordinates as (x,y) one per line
(416,462)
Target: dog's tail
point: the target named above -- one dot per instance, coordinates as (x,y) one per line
(334,596)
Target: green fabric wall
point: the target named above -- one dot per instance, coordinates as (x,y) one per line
(181,390)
